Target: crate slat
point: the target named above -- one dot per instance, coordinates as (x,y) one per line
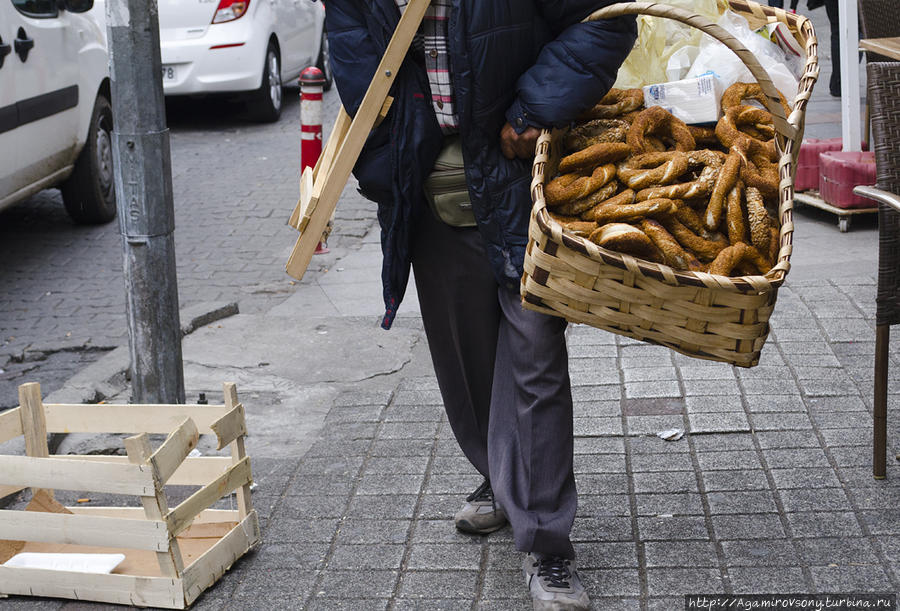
(11,424)
(161,419)
(118,589)
(71,529)
(194,471)
(182,516)
(230,426)
(73,474)
(209,567)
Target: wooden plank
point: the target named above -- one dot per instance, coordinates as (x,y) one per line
(163,419)
(155,504)
(208,516)
(335,139)
(117,589)
(303,204)
(208,568)
(34,425)
(174,450)
(194,471)
(182,516)
(889,47)
(74,474)
(334,181)
(5,491)
(230,426)
(385,108)
(11,424)
(238,453)
(83,530)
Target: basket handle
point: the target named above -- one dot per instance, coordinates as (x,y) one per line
(782,125)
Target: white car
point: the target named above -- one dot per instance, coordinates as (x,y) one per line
(55,115)
(243,46)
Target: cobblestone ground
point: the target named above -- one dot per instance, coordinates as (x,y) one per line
(235,184)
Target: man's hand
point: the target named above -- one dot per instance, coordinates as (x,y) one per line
(518,145)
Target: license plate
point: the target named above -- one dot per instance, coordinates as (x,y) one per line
(169,73)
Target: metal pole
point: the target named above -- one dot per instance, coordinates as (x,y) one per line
(143,173)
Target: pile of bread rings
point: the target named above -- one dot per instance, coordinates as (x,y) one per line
(642,182)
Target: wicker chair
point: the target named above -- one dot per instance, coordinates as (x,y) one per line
(878,19)
(884,99)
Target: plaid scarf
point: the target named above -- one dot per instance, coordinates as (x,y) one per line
(431,40)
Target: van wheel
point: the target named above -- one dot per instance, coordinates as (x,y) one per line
(89,194)
(323,62)
(265,103)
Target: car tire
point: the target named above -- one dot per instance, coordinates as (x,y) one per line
(323,62)
(267,100)
(89,194)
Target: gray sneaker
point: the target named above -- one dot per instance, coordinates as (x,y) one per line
(480,515)
(554,584)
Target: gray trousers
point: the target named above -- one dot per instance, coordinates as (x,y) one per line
(504,378)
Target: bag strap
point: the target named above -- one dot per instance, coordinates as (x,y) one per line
(317,204)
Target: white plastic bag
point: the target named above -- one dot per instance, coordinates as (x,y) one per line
(717,58)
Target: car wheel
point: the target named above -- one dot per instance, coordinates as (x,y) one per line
(266,102)
(89,194)
(323,62)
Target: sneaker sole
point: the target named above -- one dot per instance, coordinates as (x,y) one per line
(467,527)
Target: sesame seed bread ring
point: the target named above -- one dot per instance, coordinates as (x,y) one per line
(760,223)
(738,92)
(574,224)
(673,254)
(735,224)
(758,171)
(593,132)
(616,102)
(578,206)
(594,155)
(730,128)
(726,179)
(647,169)
(730,258)
(706,250)
(657,121)
(606,213)
(626,239)
(565,188)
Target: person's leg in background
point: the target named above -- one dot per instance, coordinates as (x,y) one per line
(776,3)
(834,85)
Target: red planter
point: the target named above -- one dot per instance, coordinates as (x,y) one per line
(840,171)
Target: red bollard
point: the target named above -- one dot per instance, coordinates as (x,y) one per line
(311,83)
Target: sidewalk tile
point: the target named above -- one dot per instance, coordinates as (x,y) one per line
(390,484)
(365,556)
(719,422)
(684,581)
(418,397)
(310,506)
(771,387)
(841,551)
(618,583)
(440,506)
(716,371)
(453,483)
(650,425)
(383,465)
(680,554)
(455,585)
(780,422)
(753,580)
(726,460)
(661,462)
(672,528)
(755,501)
(403,447)
(773,440)
(683,503)
(857,437)
(871,578)
(502,585)
(658,388)
(722,442)
(300,557)
(588,427)
(601,483)
(774,403)
(388,506)
(759,552)
(441,531)
(665,604)
(596,392)
(664,406)
(882,521)
(646,374)
(727,388)
(348,604)
(286,530)
(750,479)
(414,413)
(445,556)
(408,430)
(355,584)
(600,463)
(805,477)
(361,530)
(603,445)
(833,499)
(747,526)
(596,555)
(337,466)
(852,456)
(795,457)
(597,409)
(676,481)
(817,524)
(319,484)
(651,444)
(596,505)
(602,529)
(701,404)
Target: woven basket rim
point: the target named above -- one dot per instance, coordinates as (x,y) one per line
(789,133)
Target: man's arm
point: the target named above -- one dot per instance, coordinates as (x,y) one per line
(573,71)
(354,57)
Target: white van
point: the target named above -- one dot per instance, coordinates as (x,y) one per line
(55,115)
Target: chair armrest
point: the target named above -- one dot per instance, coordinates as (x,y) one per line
(882,197)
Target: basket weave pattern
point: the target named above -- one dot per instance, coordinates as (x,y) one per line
(695,313)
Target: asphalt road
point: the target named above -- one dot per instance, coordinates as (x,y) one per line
(62,302)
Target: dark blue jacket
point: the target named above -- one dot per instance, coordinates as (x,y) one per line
(528,62)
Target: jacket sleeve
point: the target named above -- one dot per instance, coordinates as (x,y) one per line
(354,57)
(574,70)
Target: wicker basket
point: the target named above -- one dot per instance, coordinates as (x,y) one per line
(698,314)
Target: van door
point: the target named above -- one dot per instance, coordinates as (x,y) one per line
(44,66)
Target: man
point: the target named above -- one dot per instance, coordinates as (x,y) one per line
(491,72)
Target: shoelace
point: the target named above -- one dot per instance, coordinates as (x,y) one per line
(482,493)
(555,570)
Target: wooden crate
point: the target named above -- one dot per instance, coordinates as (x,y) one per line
(171,555)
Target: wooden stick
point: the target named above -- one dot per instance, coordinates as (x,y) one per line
(156,507)
(34,425)
(238,452)
(348,153)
